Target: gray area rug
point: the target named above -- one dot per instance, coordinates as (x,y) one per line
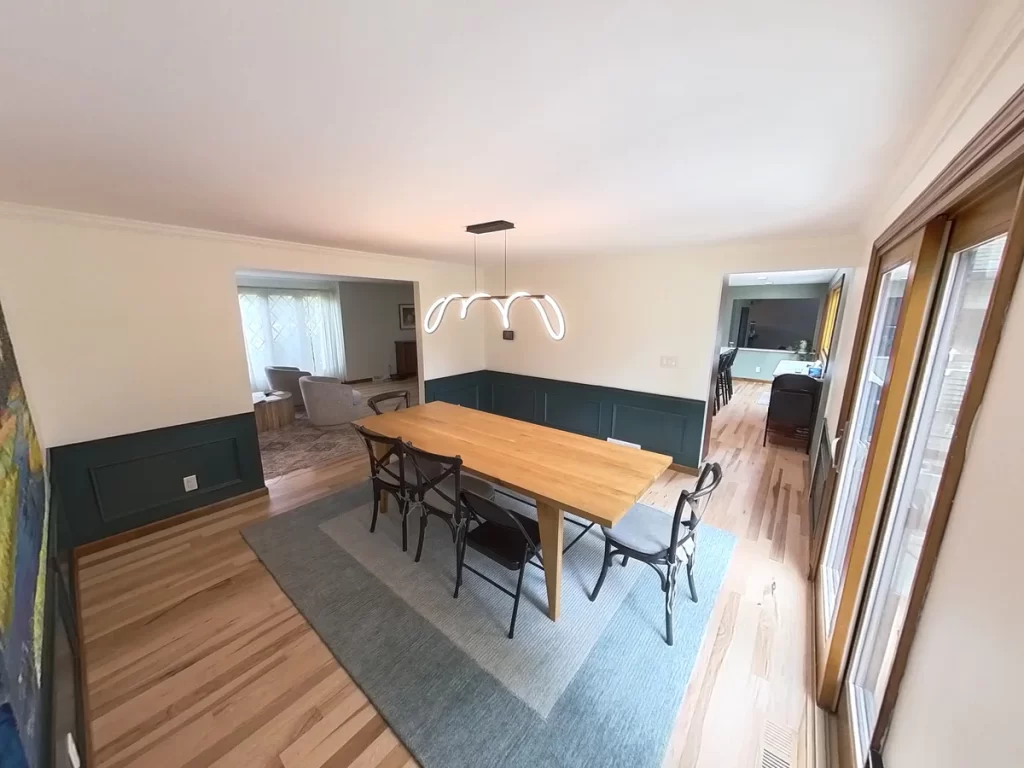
(598,687)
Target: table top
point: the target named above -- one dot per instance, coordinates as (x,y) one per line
(594,479)
(273,397)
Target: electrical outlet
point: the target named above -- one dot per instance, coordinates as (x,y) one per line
(669,362)
(191,483)
(757,369)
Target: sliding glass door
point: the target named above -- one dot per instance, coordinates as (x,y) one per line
(955,336)
(873,375)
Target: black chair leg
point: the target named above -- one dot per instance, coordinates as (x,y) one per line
(764,440)
(405,532)
(604,569)
(376,508)
(519,591)
(670,594)
(689,577)
(625,559)
(423,531)
(460,558)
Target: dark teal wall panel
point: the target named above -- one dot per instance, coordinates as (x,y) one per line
(654,429)
(110,486)
(470,390)
(565,411)
(514,400)
(659,423)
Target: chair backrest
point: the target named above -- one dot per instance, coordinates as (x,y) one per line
(732,357)
(796,382)
(695,502)
(723,361)
(794,399)
(430,470)
(389,401)
(487,510)
(381,466)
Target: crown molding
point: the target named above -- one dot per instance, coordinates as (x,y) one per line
(994,34)
(9,210)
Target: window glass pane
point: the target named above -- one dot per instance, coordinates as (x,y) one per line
(950,361)
(860,433)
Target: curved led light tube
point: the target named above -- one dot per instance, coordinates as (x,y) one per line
(470,300)
(435,314)
(560,333)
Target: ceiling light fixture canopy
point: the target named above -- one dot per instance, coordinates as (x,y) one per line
(554,323)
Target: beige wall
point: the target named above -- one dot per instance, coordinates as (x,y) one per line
(121,327)
(960,702)
(624,314)
(369,314)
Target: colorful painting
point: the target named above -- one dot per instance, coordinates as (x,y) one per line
(23,525)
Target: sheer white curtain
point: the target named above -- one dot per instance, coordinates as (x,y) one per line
(285,326)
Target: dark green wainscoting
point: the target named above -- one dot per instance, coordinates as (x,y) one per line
(659,423)
(109,486)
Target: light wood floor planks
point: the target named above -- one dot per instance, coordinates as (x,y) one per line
(195,657)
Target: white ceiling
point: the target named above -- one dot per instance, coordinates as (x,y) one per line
(783,277)
(388,126)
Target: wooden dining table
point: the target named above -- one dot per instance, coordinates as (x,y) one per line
(564,472)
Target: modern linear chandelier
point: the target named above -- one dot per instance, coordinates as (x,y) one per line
(435,314)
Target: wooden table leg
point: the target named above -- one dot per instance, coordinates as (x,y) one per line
(552,532)
(380,450)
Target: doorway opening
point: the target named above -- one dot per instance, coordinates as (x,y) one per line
(318,348)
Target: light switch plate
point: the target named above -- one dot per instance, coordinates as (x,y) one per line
(669,361)
(190,482)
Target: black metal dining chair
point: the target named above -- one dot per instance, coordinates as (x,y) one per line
(435,483)
(389,401)
(652,537)
(792,406)
(501,535)
(387,474)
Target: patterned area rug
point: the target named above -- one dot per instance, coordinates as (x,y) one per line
(303,445)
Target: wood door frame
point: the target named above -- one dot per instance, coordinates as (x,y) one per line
(926,249)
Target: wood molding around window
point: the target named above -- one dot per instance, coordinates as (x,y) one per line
(923,251)
(977,382)
(986,173)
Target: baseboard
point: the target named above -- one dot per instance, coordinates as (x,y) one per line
(137,533)
(744,378)
(358,381)
(684,469)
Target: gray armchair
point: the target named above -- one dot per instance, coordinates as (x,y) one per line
(283,378)
(328,401)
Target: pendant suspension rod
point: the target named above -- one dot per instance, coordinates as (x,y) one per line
(474,263)
(506,261)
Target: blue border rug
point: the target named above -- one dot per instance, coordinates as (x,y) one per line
(618,688)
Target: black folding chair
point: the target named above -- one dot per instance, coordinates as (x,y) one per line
(793,405)
(501,535)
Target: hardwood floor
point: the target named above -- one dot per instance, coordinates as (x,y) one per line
(195,657)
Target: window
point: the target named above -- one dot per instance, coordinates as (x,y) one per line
(774,323)
(299,328)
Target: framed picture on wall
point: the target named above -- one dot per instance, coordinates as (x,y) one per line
(407,317)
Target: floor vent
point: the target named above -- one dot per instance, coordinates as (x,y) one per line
(777,748)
